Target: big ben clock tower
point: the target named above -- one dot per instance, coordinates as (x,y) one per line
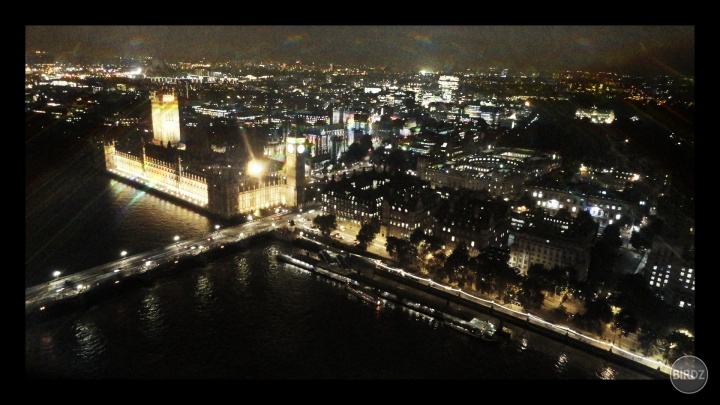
(295,170)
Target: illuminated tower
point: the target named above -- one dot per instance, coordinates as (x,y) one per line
(165,119)
(295,170)
(448,86)
(109,149)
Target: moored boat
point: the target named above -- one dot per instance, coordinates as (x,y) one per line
(291,260)
(475,328)
(464,328)
(364,295)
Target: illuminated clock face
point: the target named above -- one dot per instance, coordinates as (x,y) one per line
(301,148)
(290,148)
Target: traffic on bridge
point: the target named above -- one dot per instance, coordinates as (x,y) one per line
(72,285)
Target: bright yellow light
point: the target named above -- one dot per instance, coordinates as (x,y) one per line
(685,332)
(255,168)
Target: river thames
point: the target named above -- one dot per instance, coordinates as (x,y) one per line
(244,316)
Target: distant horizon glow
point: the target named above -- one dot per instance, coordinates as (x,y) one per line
(668,49)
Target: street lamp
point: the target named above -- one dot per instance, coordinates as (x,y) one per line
(56,273)
(255,168)
(123,254)
(176,239)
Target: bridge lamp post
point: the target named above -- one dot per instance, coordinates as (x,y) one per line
(55,275)
(176,239)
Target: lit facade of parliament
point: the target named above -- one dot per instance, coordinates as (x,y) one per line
(223,191)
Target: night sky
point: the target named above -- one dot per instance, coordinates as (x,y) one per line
(640,49)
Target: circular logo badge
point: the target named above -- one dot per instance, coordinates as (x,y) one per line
(689,374)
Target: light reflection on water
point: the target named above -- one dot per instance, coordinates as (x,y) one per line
(89,339)
(561,363)
(204,294)
(81,220)
(607,373)
(150,315)
(90,345)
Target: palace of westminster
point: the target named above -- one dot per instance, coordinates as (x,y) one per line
(223,191)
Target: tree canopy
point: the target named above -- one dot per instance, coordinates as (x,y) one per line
(354,153)
(325,223)
(367,232)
